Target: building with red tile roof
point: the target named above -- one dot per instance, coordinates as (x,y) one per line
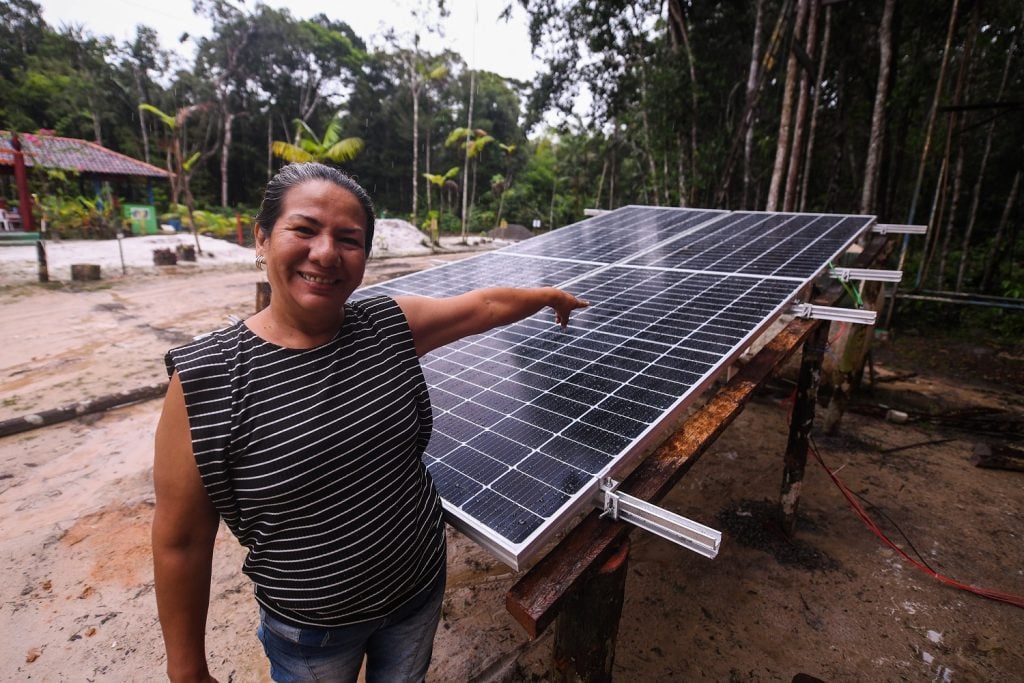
(72,154)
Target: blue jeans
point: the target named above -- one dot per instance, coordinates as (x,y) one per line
(397,647)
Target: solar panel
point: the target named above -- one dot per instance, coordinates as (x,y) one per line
(528,418)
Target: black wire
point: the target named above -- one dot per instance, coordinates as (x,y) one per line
(877,509)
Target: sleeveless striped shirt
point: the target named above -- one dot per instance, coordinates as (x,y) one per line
(312,457)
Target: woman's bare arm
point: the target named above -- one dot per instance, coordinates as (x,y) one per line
(184,528)
(436,322)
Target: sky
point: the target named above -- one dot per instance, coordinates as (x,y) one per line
(495,45)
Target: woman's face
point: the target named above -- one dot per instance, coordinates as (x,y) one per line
(316,253)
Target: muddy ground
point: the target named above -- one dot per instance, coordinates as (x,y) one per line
(837,604)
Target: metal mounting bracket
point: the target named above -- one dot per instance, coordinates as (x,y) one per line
(843,315)
(866,274)
(897,229)
(670,526)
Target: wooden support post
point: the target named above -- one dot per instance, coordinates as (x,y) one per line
(44,270)
(586,630)
(801,422)
(262,295)
(851,365)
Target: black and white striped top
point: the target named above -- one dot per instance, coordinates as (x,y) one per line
(312,457)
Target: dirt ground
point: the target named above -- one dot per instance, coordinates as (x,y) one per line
(837,604)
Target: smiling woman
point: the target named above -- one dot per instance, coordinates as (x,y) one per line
(314,232)
(303,429)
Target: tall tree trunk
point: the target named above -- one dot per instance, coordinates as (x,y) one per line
(677,17)
(935,218)
(992,257)
(681,171)
(225,153)
(426,169)
(600,183)
(955,119)
(786,116)
(750,107)
(175,177)
(954,207)
(800,123)
(611,181)
(976,195)
(815,109)
(752,80)
(97,129)
(872,163)
(929,130)
(415,149)
(465,173)
(270,145)
(648,148)
(142,113)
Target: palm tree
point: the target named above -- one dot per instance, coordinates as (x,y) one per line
(474,142)
(439,182)
(330,148)
(506,180)
(177,164)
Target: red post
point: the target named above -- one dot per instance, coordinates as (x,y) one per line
(21,179)
(238,224)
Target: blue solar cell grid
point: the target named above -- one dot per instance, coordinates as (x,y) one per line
(781,245)
(529,417)
(615,236)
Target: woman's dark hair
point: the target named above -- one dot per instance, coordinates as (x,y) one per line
(294,175)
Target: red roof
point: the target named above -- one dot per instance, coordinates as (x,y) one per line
(72,154)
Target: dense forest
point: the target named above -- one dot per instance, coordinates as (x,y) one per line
(910,110)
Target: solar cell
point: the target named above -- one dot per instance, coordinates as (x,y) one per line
(529,417)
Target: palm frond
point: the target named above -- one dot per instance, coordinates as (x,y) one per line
(289,152)
(344,150)
(166,118)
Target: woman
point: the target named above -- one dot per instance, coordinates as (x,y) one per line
(302,428)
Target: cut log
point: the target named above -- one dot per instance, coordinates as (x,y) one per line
(164,257)
(73,410)
(186,252)
(84,272)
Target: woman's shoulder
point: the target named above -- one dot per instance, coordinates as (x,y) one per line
(204,349)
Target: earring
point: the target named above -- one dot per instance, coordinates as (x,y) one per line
(261,261)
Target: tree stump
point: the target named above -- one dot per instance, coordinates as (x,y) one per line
(84,272)
(164,257)
(186,252)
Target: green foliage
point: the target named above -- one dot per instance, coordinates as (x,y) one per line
(330,148)
(654,133)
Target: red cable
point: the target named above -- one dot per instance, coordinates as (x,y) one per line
(1009,598)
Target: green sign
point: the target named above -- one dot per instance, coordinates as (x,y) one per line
(140,219)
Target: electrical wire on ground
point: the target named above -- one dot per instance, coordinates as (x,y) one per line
(854,503)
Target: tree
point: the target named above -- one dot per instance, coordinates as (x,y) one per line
(179,165)
(473,142)
(329,148)
(871,166)
(440,181)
